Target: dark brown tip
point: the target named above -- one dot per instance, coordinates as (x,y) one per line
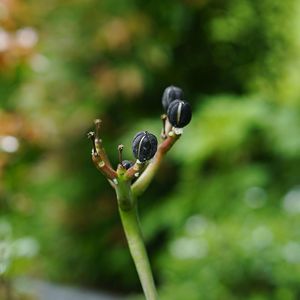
(97,123)
(120,150)
(91,136)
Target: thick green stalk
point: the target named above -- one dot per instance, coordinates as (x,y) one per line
(129,216)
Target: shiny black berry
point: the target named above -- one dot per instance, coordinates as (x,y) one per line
(144,146)
(170,94)
(127,164)
(179,113)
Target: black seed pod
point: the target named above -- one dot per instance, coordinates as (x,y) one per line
(179,113)
(144,146)
(127,164)
(170,94)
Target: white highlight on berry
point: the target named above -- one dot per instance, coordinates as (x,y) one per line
(179,111)
(140,145)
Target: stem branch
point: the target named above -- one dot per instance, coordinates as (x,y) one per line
(129,217)
(138,251)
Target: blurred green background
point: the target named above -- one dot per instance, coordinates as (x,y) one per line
(221,219)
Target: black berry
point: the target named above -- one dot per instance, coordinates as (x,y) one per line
(179,113)
(170,94)
(144,146)
(127,164)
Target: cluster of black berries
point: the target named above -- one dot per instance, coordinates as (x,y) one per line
(144,144)
(179,114)
(178,111)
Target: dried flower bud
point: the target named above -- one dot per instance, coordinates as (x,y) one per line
(170,94)
(144,146)
(127,164)
(179,113)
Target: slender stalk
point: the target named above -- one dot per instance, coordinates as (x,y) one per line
(129,217)
(138,251)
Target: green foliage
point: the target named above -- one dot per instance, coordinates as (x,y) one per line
(221,217)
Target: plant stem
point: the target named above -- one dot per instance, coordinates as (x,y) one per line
(138,251)
(129,216)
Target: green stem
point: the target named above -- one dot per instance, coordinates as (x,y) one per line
(138,251)
(129,217)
